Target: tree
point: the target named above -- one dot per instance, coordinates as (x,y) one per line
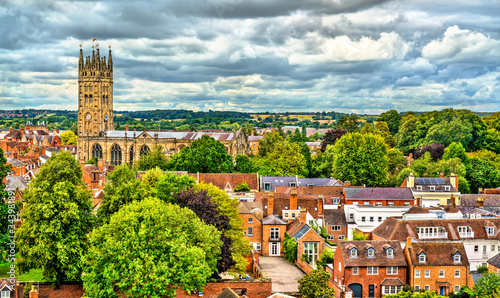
(205,155)
(368,128)
(392,118)
(4,208)
(361,159)
(409,294)
(290,249)
(268,142)
(170,184)
(358,236)
(316,285)
(455,150)
(285,159)
(382,129)
(122,188)
(349,123)
(481,174)
(155,158)
(331,137)
(435,150)
(56,219)
(148,249)
(397,161)
(487,285)
(242,187)
(229,207)
(150,177)
(243,164)
(68,138)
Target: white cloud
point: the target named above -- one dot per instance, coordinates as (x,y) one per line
(463,46)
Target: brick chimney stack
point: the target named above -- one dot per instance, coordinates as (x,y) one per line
(347,183)
(270,203)
(10,129)
(303,216)
(293,199)
(408,242)
(126,127)
(480,202)
(453,200)
(411,181)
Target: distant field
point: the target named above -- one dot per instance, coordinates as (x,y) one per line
(299,117)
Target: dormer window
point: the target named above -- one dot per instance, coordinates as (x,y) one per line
(432,188)
(490,231)
(354,253)
(370,252)
(419,187)
(422,258)
(389,252)
(446,188)
(457,258)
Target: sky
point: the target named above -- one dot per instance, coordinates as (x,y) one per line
(355,56)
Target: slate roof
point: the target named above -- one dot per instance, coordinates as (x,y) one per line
(179,135)
(15,162)
(282,202)
(395,229)
(334,217)
(438,254)
(378,193)
(470,200)
(273,220)
(495,260)
(15,182)
(287,180)
(380,258)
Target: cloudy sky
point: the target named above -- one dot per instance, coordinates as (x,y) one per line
(257,55)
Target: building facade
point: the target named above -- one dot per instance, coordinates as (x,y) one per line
(96,137)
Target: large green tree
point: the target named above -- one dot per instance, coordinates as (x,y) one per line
(482,173)
(148,249)
(68,138)
(155,158)
(392,118)
(488,286)
(205,155)
(268,142)
(56,219)
(4,210)
(285,159)
(361,159)
(316,284)
(169,184)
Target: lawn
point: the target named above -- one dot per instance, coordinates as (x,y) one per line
(32,275)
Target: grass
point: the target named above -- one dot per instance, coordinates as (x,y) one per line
(32,275)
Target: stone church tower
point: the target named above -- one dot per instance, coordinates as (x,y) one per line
(95,94)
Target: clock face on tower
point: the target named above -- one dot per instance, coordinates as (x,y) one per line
(105,117)
(88,116)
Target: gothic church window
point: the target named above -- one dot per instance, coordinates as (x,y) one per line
(144,150)
(116,155)
(97,151)
(131,155)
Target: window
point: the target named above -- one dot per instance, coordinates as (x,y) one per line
(371,218)
(355,270)
(386,290)
(457,273)
(86,88)
(256,245)
(391,204)
(389,252)
(363,219)
(490,231)
(116,155)
(493,248)
(311,249)
(354,253)
(476,248)
(379,203)
(417,288)
(267,186)
(90,88)
(341,237)
(250,220)
(286,214)
(335,228)
(392,270)
(446,188)
(293,214)
(427,274)
(380,219)
(340,266)
(286,207)
(484,249)
(5,294)
(366,203)
(315,208)
(372,270)
(419,187)
(370,252)
(331,237)
(351,216)
(421,258)
(457,258)
(250,231)
(427,288)
(432,188)
(457,288)
(275,234)
(407,203)
(293,184)
(441,273)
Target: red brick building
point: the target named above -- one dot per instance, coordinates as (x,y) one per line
(251,214)
(273,234)
(369,268)
(335,224)
(378,196)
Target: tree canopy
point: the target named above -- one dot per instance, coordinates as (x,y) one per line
(155,158)
(68,138)
(205,155)
(316,284)
(148,249)
(56,219)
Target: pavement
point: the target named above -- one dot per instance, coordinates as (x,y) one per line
(283,275)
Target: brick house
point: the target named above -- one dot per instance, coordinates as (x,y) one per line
(335,224)
(441,267)
(253,142)
(369,268)
(251,214)
(494,263)
(273,234)
(378,196)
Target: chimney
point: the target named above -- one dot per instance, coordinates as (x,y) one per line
(418,201)
(480,202)
(480,191)
(293,199)
(453,200)
(33,292)
(100,164)
(126,127)
(454,180)
(410,182)
(441,175)
(270,203)
(408,242)
(303,215)
(252,133)
(347,183)
(10,129)
(320,204)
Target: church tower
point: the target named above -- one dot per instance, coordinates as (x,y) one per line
(95,94)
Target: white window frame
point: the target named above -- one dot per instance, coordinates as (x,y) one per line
(370,253)
(390,253)
(387,290)
(417,288)
(427,274)
(258,246)
(341,237)
(392,270)
(422,258)
(490,231)
(353,253)
(417,273)
(274,233)
(267,186)
(250,220)
(432,188)
(372,270)
(250,231)
(457,271)
(441,273)
(330,237)
(312,251)
(457,288)
(457,258)
(7,294)
(419,187)
(355,270)
(427,288)
(390,203)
